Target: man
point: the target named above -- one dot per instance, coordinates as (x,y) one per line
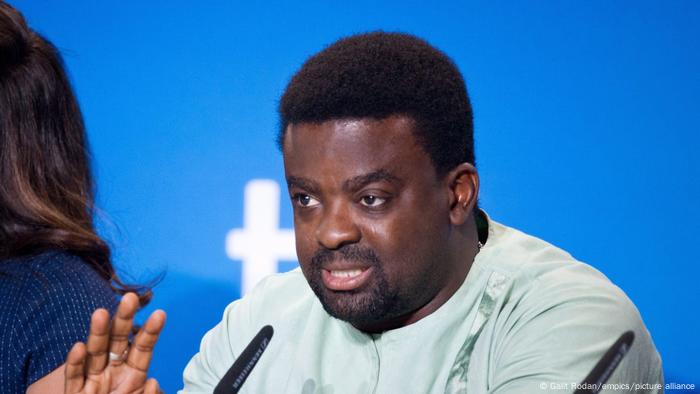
(405,285)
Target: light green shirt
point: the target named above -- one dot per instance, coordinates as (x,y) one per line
(527,319)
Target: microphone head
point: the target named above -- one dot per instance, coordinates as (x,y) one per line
(602,371)
(242,367)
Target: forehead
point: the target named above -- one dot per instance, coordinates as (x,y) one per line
(348,147)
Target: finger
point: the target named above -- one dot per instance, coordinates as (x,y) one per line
(98,342)
(121,325)
(75,369)
(142,348)
(75,373)
(152,387)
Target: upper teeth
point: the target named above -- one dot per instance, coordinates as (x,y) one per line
(346,273)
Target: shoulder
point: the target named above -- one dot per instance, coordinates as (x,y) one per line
(47,303)
(279,297)
(59,265)
(543,277)
(290,287)
(56,276)
(54,286)
(558,315)
(283,301)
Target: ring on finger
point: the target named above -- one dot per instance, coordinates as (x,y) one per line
(118,357)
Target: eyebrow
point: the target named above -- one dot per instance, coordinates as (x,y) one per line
(360,181)
(302,183)
(350,185)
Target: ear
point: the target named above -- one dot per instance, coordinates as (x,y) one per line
(463,182)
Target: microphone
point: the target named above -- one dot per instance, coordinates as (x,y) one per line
(241,368)
(600,374)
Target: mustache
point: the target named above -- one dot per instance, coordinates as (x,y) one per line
(348,252)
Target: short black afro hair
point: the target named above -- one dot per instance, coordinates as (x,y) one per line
(380,74)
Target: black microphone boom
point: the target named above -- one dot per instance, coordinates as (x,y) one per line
(241,368)
(606,366)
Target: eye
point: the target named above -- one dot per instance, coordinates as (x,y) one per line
(372,201)
(304,200)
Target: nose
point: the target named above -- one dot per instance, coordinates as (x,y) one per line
(337,227)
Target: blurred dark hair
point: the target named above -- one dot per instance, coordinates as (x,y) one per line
(46,186)
(381,74)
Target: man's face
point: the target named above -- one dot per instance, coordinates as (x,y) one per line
(371,219)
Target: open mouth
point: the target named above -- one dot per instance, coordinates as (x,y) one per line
(345,279)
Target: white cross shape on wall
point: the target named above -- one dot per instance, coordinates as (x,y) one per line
(260,244)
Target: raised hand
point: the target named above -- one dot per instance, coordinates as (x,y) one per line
(107,364)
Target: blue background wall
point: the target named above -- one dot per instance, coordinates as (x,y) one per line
(587,118)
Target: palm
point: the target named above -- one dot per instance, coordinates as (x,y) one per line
(107,364)
(125,379)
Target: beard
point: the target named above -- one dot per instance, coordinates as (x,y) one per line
(373,303)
